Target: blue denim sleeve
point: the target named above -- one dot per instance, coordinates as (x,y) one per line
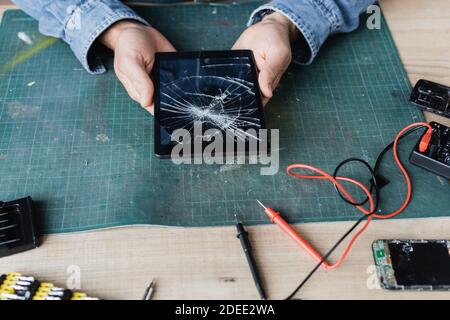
(79,23)
(316,20)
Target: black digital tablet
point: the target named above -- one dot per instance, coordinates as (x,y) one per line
(199,91)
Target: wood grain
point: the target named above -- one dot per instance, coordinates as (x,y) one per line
(422,34)
(208,263)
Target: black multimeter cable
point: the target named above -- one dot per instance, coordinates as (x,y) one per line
(373,187)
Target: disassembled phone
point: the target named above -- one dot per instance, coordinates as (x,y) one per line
(216,89)
(421,265)
(432,97)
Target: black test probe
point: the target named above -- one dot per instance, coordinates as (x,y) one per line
(242,235)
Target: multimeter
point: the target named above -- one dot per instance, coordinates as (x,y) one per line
(436,158)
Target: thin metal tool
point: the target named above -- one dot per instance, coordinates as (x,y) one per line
(9,241)
(260,203)
(149,290)
(8,227)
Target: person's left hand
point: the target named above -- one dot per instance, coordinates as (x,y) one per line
(270,40)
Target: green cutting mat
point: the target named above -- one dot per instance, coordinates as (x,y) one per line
(80,147)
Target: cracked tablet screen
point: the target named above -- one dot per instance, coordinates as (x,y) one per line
(218,92)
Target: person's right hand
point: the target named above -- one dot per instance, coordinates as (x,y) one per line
(134,46)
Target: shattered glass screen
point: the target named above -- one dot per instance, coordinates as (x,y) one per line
(218,92)
(421,264)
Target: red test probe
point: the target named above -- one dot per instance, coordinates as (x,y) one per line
(275,217)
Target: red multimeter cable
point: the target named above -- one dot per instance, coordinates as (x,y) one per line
(322,175)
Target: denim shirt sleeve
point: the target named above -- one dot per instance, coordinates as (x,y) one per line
(79,23)
(316,20)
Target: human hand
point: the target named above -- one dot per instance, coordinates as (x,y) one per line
(134,46)
(270,40)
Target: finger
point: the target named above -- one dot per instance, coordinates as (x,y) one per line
(271,72)
(166,46)
(144,87)
(139,79)
(162,45)
(238,46)
(150,109)
(128,86)
(260,60)
(132,92)
(139,73)
(265,80)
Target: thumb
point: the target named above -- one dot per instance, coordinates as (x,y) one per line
(139,76)
(266,79)
(271,71)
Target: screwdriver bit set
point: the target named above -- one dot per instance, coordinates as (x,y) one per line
(14,286)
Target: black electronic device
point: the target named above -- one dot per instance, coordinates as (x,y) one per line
(18,231)
(432,97)
(217,89)
(436,158)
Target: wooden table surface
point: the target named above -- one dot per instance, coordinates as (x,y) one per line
(208,263)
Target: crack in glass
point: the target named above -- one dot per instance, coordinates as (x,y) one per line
(217,95)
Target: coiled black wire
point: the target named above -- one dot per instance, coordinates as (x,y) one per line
(374,187)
